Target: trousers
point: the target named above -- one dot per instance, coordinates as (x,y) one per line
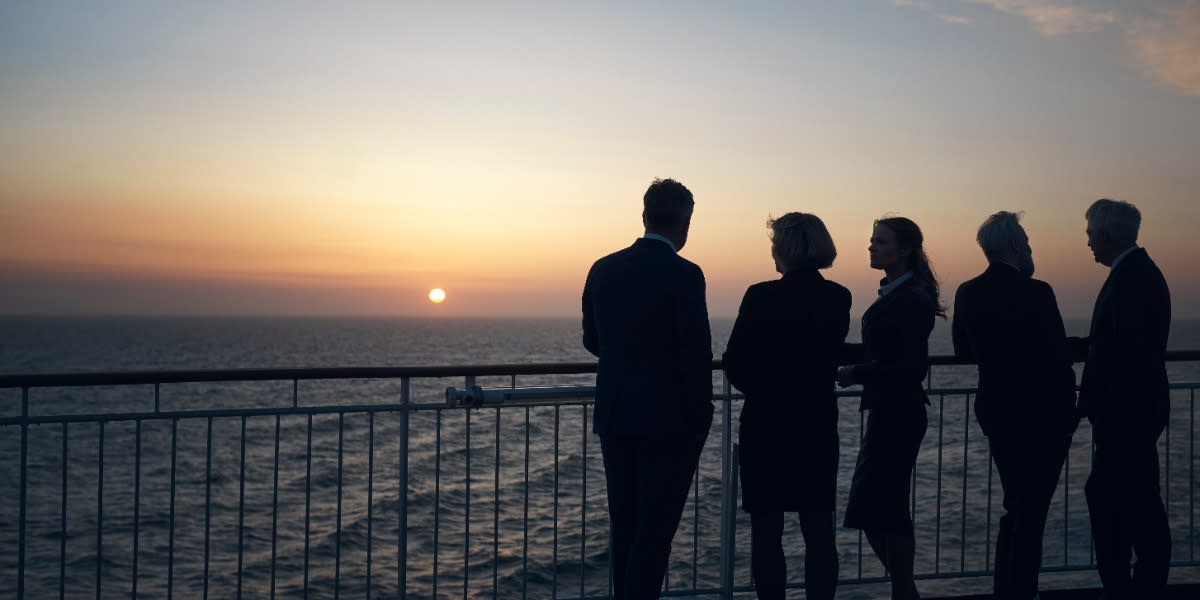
(1029,466)
(648,483)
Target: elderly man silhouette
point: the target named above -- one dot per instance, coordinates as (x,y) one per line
(1009,324)
(1124,394)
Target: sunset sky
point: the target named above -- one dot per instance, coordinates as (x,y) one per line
(346,158)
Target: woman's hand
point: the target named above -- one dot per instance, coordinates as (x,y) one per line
(845,376)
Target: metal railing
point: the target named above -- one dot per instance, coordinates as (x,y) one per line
(367,482)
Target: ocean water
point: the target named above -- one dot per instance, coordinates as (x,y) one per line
(529,519)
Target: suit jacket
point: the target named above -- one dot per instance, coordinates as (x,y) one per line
(1009,324)
(894,354)
(645,318)
(782,354)
(1124,386)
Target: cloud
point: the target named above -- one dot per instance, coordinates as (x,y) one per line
(955,19)
(1164,40)
(925,6)
(1168,45)
(1054,17)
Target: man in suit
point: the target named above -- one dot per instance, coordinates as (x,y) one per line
(1009,324)
(645,318)
(1124,394)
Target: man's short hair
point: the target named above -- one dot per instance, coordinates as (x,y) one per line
(1000,232)
(801,241)
(1117,218)
(667,204)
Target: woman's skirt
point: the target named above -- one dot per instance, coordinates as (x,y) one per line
(879,491)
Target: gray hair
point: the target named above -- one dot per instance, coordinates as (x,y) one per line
(801,241)
(1119,219)
(1000,232)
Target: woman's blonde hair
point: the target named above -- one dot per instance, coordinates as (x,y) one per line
(801,241)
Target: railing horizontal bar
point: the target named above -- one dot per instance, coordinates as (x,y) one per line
(382,407)
(251,412)
(204,414)
(477,396)
(210,375)
(577,400)
(556,395)
(369,408)
(743,589)
(198,376)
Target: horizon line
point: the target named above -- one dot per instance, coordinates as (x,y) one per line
(84,315)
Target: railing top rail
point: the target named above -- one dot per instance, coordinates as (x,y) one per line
(31,380)
(285,374)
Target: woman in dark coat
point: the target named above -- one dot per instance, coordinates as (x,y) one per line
(782,354)
(891,363)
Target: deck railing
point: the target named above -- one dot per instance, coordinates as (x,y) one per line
(367,482)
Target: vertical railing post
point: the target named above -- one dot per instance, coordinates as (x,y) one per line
(962,534)
(207,498)
(171,510)
(100,513)
(728,499)
(583,436)
(937,527)
(370,495)
(62,540)
(24,499)
(554,514)
(525,520)
(308,453)
(437,496)
(137,502)
(275,508)
(241,509)
(402,551)
(496,513)
(337,536)
(466,566)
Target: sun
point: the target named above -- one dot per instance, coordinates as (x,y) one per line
(437,295)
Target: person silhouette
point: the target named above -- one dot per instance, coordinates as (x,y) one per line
(782,354)
(1008,324)
(645,318)
(1124,394)
(891,363)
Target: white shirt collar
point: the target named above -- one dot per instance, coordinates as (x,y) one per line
(891,285)
(1121,256)
(655,236)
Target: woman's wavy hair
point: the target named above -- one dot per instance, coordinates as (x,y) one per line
(908,235)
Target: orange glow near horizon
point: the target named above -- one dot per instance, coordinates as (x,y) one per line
(508,265)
